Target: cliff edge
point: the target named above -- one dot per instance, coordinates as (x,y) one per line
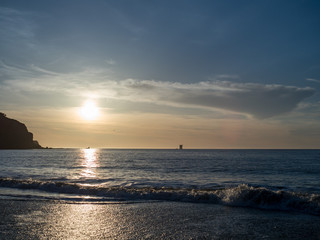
(15,135)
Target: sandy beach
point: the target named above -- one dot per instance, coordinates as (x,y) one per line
(152,220)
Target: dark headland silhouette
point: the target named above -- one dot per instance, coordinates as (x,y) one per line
(15,135)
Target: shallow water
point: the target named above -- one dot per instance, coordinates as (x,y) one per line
(151,220)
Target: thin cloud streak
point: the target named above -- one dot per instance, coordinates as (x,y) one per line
(313,80)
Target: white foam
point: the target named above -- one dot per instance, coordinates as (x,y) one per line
(241,195)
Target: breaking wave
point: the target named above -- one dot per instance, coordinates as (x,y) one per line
(241,196)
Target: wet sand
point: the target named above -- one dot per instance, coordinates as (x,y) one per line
(152,220)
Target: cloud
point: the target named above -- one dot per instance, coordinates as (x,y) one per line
(313,80)
(258,100)
(261,101)
(110,62)
(225,77)
(16,28)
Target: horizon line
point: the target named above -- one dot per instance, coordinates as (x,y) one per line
(162,148)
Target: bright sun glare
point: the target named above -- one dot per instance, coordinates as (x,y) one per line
(89,110)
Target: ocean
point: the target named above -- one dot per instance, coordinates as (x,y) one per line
(277,180)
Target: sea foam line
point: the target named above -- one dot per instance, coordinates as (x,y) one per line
(242,195)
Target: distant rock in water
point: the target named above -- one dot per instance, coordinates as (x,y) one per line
(15,135)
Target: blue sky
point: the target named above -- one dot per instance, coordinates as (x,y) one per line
(244,65)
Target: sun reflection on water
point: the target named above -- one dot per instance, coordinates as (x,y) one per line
(90,162)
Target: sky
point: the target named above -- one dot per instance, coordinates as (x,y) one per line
(205,74)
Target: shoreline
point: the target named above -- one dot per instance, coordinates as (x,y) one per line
(150,220)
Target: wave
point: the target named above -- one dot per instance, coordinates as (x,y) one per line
(241,196)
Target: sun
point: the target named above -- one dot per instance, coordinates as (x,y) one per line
(89,110)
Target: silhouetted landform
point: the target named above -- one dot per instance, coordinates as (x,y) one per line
(15,135)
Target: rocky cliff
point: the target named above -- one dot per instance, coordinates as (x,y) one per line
(15,135)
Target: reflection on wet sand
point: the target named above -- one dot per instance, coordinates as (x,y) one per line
(81,221)
(90,161)
(154,220)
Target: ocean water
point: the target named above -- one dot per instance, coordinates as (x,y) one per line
(281,180)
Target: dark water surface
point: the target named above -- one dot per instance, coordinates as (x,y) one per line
(266,179)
